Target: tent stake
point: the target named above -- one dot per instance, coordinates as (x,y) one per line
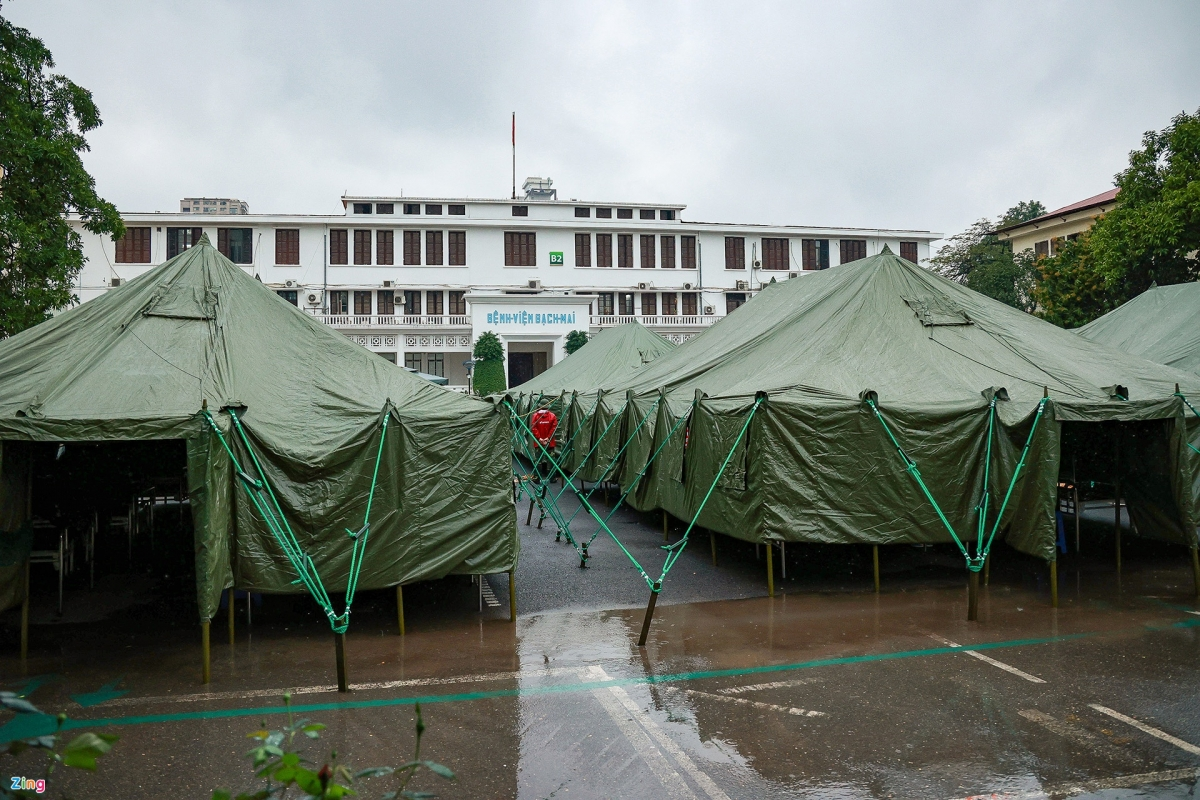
(512,595)
(972,596)
(875,558)
(712,543)
(400,606)
(1054,584)
(25,616)
(205,659)
(339,647)
(231,629)
(1195,574)
(770,572)
(646,621)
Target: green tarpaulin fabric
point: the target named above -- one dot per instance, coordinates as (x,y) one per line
(1161,324)
(139,362)
(817,465)
(611,355)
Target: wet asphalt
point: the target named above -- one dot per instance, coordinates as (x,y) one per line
(825,690)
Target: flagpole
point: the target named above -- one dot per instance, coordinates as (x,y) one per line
(514,155)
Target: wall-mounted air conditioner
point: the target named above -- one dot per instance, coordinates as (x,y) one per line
(742,286)
(535,284)
(289,284)
(313,298)
(115,282)
(709,310)
(687,287)
(793,274)
(644,285)
(387,284)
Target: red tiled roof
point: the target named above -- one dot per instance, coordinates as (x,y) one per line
(1098,200)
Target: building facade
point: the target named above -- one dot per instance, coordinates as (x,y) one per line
(1044,234)
(417,279)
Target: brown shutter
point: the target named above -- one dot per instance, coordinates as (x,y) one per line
(458,303)
(222,241)
(668,251)
(510,242)
(338,246)
(687,252)
(433,302)
(362,248)
(735,252)
(458,248)
(649,304)
(603,249)
(647,247)
(385,249)
(689,304)
(433,248)
(583,249)
(385,302)
(909,250)
(412,248)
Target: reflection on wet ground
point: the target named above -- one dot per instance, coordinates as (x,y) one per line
(826,690)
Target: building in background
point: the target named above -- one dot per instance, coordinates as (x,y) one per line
(417,279)
(213,205)
(1044,234)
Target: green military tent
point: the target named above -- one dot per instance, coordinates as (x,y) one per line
(851,384)
(611,355)
(198,339)
(1161,324)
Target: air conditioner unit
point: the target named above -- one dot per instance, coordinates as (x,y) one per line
(793,274)
(116,281)
(401,299)
(290,284)
(687,286)
(742,286)
(387,284)
(313,298)
(709,310)
(757,264)
(644,285)
(535,284)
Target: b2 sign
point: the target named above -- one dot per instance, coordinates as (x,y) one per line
(556,259)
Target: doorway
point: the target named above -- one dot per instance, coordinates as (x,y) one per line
(521,368)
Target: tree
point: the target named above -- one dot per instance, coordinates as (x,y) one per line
(576,340)
(977,258)
(1069,291)
(43,117)
(489,364)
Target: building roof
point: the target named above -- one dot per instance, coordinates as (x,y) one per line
(1102,199)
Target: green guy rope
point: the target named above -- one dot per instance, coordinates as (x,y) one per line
(1194,411)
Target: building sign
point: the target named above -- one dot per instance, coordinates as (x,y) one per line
(556,258)
(525,318)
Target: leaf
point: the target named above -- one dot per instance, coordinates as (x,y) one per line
(275,739)
(373,772)
(83,750)
(259,735)
(221,794)
(22,706)
(336,790)
(313,731)
(439,769)
(290,759)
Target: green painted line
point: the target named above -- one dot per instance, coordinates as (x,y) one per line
(28,730)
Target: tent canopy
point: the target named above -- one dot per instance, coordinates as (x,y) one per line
(611,355)
(139,363)
(1161,324)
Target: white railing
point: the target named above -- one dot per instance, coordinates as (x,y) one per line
(659,321)
(459,389)
(394,320)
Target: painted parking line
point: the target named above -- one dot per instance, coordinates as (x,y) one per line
(1071,789)
(1144,728)
(985,659)
(796,712)
(758,687)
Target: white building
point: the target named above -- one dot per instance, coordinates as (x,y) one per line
(417,279)
(213,205)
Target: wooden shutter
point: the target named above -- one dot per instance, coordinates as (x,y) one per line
(412,302)
(647,247)
(287,246)
(583,249)
(433,248)
(385,248)
(669,304)
(134,247)
(385,302)
(649,304)
(624,250)
(909,250)
(603,249)
(853,250)
(735,252)
(458,303)
(668,251)
(808,254)
(223,241)
(689,304)
(458,248)
(338,247)
(510,249)
(776,254)
(433,302)
(362,248)
(362,303)
(687,252)
(412,248)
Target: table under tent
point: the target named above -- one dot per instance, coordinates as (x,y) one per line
(878,403)
(1161,324)
(311,463)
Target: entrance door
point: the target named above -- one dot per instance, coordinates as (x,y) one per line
(520,368)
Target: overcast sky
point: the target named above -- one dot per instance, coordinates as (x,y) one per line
(869,114)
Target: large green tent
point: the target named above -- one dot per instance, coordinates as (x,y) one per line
(146,361)
(813,358)
(614,354)
(1161,324)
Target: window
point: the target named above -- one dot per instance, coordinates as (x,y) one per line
(385,208)
(458,248)
(625,304)
(603,249)
(668,252)
(776,254)
(624,250)
(413,361)
(852,250)
(909,250)
(814,253)
(338,247)
(435,364)
(287,245)
(734,301)
(412,208)
(433,208)
(520,211)
(649,304)
(647,247)
(362,208)
(583,249)
(456,210)
(457,303)
(339,302)
(362,247)
(412,302)
(412,248)
(667,213)
(385,250)
(180,239)
(236,244)
(646,213)
(1041,249)
(385,303)
(1055,244)
(388,357)
(134,246)
(433,302)
(735,252)
(687,251)
(604,304)
(582,212)
(289,295)
(624,213)
(433,248)
(670,305)
(362,303)
(690,304)
(520,249)
(603,213)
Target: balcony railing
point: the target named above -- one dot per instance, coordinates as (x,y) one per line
(394,320)
(656,321)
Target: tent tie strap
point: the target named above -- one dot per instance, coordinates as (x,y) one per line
(1194,411)
(616,459)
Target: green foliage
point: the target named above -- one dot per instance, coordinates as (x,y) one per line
(79,753)
(1070,292)
(277,760)
(489,378)
(488,347)
(43,117)
(577,339)
(978,259)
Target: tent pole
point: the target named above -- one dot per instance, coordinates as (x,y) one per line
(339,646)
(512,595)
(875,558)
(529,516)
(1195,571)
(646,621)
(231,629)
(400,606)
(205,659)
(666,538)
(972,596)
(25,616)
(987,568)
(770,572)
(1054,584)
(1117,505)
(712,543)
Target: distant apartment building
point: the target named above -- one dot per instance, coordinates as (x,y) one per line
(417,279)
(1044,234)
(213,205)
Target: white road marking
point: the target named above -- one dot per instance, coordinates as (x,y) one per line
(659,735)
(1064,729)
(772,685)
(796,712)
(1144,728)
(988,660)
(1063,790)
(1197,613)
(489,597)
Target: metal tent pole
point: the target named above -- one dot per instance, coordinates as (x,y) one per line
(712,542)
(205,654)
(400,606)
(972,596)
(770,572)
(339,646)
(512,595)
